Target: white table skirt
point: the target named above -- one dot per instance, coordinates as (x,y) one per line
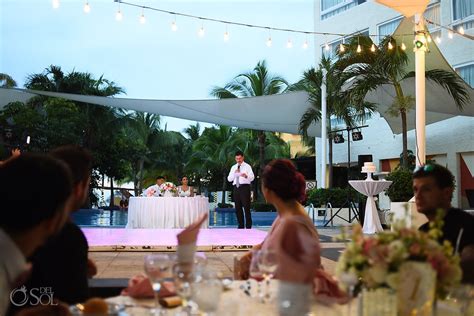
(166,212)
(370,188)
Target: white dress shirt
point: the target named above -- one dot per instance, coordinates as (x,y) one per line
(12,264)
(155,187)
(244,168)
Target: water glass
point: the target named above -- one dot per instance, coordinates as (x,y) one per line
(255,272)
(268,264)
(157,268)
(206,292)
(294,299)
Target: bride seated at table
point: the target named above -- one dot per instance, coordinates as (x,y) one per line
(293,236)
(184,189)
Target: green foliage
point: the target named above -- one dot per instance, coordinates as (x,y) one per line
(401,189)
(262,207)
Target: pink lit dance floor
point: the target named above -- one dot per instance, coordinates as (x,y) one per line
(217,239)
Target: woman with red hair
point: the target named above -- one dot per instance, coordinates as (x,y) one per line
(293,235)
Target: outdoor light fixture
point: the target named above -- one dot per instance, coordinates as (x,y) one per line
(356,136)
(289,44)
(326,46)
(142,19)
(372,48)
(438,39)
(404,47)
(55,4)
(418,44)
(390,45)
(226,36)
(461,30)
(174,26)
(201,32)
(269,41)
(359,49)
(87,7)
(342,48)
(338,139)
(450,34)
(305,44)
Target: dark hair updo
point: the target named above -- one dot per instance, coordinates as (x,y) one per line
(281,177)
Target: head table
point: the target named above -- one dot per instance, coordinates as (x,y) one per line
(234,302)
(166,212)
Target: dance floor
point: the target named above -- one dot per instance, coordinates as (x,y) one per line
(216,239)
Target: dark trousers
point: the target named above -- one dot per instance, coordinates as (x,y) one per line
(242,200)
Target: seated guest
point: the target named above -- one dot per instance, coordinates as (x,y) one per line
(15,152)
(30,216)
(156,189)
(293,235)
(62,263)
(433,186)
(184,189)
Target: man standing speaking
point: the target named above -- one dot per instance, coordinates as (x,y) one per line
(241,175)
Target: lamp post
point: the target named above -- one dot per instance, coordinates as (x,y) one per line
(420,51)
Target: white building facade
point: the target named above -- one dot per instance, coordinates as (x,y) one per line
(449,142)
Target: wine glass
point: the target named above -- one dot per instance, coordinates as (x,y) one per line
(206,292)
(255,272)
(157,268)
(184,277)
(268,264)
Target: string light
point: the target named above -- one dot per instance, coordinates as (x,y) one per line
(87,7)
(390,46)
(55,4)
(429,39)
(289,43)
(226,35)
(461,30)
(403,47)
(118,15)
(342,49)
(142,18)
(201,31)
(305,44)
(174,26)
(450,34)
(269,41)
(326,46)
(372,48)
(359,49)
(438,39)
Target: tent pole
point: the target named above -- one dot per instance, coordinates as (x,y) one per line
(324,131)
(420,90)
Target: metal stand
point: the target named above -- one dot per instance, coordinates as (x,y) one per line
(349,203)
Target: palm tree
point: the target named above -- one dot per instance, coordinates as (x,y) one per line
(368,70)
(211,153)
(258,82)
(337,104)
(193,131)
(6,81)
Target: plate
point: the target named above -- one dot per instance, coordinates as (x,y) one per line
(114,310)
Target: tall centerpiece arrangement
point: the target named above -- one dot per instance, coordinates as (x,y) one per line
(406,267)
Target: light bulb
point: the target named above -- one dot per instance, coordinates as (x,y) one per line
(438,39)
(289,44)
(403,46)
(269,41)
(390,46)
(118,15)
(429,39)
(174,26)
(359,49)
(142,19)
(201,32)
(326,46)
(450,34)
(226,36)
(342,49)
(87,7)
(372,48)
(305,45)
(55,4)
(461,30)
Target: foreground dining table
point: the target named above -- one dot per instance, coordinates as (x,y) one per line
(166,212)
(234,302)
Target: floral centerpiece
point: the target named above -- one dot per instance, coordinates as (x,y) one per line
(168,189)
(394,260)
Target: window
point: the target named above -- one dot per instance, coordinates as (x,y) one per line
(462,9)
(332,7)
(388,28)
(467,73)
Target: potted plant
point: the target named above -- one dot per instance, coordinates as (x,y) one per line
(400,193)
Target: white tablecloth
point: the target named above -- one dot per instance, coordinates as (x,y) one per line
(370,188)
(165,212)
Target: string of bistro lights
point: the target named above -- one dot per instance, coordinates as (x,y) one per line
(289,44)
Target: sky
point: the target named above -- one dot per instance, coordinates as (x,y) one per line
(149,60)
